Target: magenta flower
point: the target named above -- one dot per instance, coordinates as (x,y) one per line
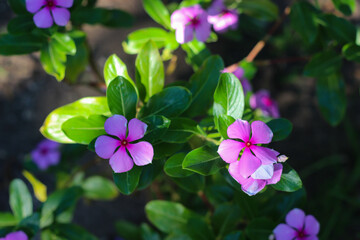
(46,154)
(48,11)
(265,103)
(19,235)
(115,148)
(222,18)
(188,20)
(298,227)
(240,74)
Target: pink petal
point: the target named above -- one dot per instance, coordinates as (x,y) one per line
(137,130)
(252,186)
(105,146)
(121,162)
(234,172)
(203,30)
(141,152)
(184,34)
(266,155)
(216,7)
(64,3)
(264,172)
(239,73)
(116,126)
(179,19)
(239,129)
(278,168)
(20,235)
(312,226)
(248,163)
(43,18)
(53,157)
(34,5)
(48,144)
(61,16)
(310,238)
(295,218)
(261,133)
(284,232)
(229,150)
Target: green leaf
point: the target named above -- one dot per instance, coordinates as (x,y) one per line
(331,97)
(173,166)
(113,68)
(219,193)
(168,216)
(281,128)
(148,233)
(259,229)
(199,229)
(180,130)
(193,183)
(72,232)
(347,7)
(30,224)
(84,129)
(237,235)
(170,102)
(7,220)
(84,107)
(196,52)
(158,12)
(99,188)
(203,84)
(204,160)
(225,219)
(128,181)
(249,69)
(261,9)
(21,24)
(157,127)
(323,64)
(149,173)
(223,122)
(19,44)
(338,28)
(163,150)
(18,6)
(150,69)
(290,180)
(122,97)
(128,230)
(20,199)
(351,52)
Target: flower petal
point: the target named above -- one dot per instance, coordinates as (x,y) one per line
(248,163)
(105,146)
(179,19)
(295,218)
(53,157)
(137,130)
(141,152)
(203,32)
(234,172)
(311,238)
(264,172)
(216,7)
(266,155)
(260,133)
(43,18)
(116,126)
(34,5)
(229,150)
(19,235)
(48,144)
(278,168)
(184,34)
(284,232)
(64,3)
(61,16)
(121,161)
(252,186)
(239,129)
(312,226)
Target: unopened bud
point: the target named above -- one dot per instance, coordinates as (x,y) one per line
(282,158)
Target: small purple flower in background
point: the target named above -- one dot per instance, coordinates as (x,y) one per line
(258,165)
(116,149)
(240,74)
(189,19)
(46,154)
(222,18)
(19,235)
(263,101)
(48,11)
(298,227)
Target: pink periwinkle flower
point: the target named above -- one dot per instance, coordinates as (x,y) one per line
(222,18)
(258,165)
(48,11)
(115,148)
(298,227)
(240,74)
(19,235)
(263,101)
(188,20)
(46,154)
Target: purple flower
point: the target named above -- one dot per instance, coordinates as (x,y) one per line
(298,227)
(188,20)
(239,73)
(115,148)
(222,18)
(258,165)
(48,11)
(46,154)
(19,235)
(263,101)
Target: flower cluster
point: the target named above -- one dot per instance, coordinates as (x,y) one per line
(46,154)
(263,101)
(258,165)
(19,235)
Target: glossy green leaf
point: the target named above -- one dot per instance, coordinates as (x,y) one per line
(128,230)
(30,224)
(180,130)
(19,44)
(237,235)
(323,64)
(338,28)
(72,232)
(281,128)
(99,188)
(225,219)
(261,9)
(170,102)
(196,52)
(157,127)
(223,122)
(193,183)
(351,52)
(21,24)
(204,160)
(115,67)
(150,69)
(163,150)
(347,7)
(290,180)
(173,166)
(83,107)
(199,229)
(122,97)
(148,233)
(7,220)
(219,193)
(128,181)
(20,199)
(157,11)
(18,6)
(149,173)
(259,229)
